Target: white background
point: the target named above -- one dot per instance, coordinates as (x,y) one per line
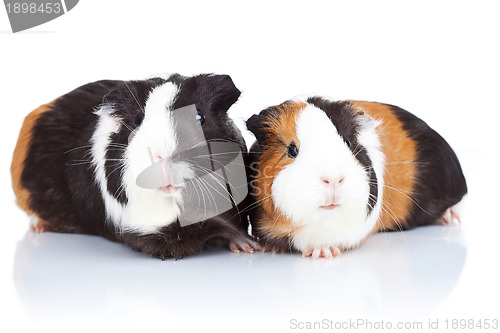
(439,60)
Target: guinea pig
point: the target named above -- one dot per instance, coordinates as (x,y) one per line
(328,174)
(77,163)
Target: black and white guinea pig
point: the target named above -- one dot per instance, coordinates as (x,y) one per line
(75,165)
(330,173)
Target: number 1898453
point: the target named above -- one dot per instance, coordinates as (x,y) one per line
(33,8)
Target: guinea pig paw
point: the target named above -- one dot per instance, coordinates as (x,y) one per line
(36,225)
(243,244)
(165,256)
(272,248)
(449,216)
(328,252)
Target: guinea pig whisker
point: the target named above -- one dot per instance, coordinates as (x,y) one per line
(254,152)
(116,145)
(120,164)
(252,205)
(390,186)
(277,215)
(196,145)
(402,192)
(357,151)
(119,190)
(213,176)
(395,188)
(256,203)
(274,223)
(116,149)
(198,194)
(392,215)
(220,140)
(211,194)
(205,169)
(222,185)
(204,183)
(408,162)
(222,179)
(216,154)
(78,163)
(205,156)
(76,148)
(388,123)
(198,189)
(133,130)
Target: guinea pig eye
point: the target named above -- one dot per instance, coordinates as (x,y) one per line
(292,150)
(348,143)
(201,118)
(138,120)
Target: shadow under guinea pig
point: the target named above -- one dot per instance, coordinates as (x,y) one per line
(70,275)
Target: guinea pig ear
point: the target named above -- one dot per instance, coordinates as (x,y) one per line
(223,92)
(110,103)
(365,122)
(110,97)
(118,97)
(255,124)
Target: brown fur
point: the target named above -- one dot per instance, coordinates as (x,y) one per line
(272,224)
(399,177)
(20,153)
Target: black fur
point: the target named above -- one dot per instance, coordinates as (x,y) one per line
(60,177)
(213,95)
(57,167)
(440,181)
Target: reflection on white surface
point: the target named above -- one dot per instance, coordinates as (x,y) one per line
(66,275)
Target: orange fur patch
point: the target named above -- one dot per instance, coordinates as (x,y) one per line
(20,153)
(400,169)
(281,131)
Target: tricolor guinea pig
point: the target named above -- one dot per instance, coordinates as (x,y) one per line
(106,159)
(328,174)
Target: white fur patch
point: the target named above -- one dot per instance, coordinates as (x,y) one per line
(106,125)
(369,138)
(146,209)
(299,191)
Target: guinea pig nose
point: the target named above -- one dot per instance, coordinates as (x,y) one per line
(169,189)
(161,157)
(332,181)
